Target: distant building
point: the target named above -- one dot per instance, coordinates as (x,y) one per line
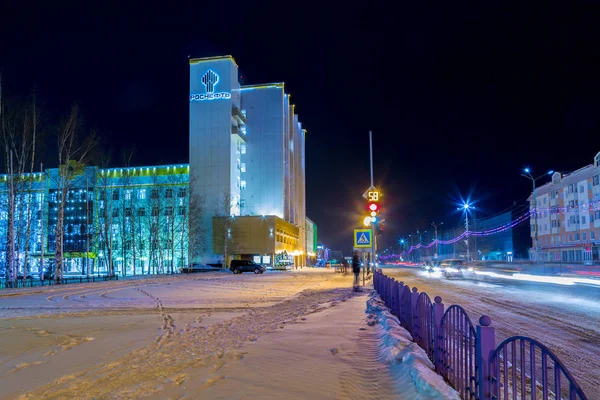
(311,242)
(505,245)
(568,216)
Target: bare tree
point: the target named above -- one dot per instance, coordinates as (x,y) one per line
(74,148)
(197,240)
(18,133)
(104,210)
(225,234)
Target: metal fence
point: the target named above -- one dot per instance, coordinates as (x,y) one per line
(467,356)
(24,283)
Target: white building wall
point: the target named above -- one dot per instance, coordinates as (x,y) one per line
(264,159)
(211,148)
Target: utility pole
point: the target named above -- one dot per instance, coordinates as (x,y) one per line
(467,232)
(435,227)
(373,246)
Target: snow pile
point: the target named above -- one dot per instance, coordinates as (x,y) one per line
(411,369)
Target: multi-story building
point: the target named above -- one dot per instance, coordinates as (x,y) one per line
(131,220)
(567,216)
(243,190)
(246,159)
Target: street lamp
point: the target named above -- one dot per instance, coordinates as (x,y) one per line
(527,174)
(466,207)
(435,226)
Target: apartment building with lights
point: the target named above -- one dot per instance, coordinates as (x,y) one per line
(247,161)
(568,216)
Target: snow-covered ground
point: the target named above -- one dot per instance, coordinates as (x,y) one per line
(564,318)
(300,334)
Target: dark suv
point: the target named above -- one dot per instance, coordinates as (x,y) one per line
(239,266)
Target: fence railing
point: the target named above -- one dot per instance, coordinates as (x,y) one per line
(27,282)
(467,356)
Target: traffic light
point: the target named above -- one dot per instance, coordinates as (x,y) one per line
(373,208)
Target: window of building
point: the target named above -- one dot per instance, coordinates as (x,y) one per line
(115,212)
(597,160)
(115,194)
(155,211)
(243,149)
(128,245)
(243,167)
(127,193)
(581,188)
(584,236)
(154,194)
(181,211)
(592,235)
(242,202)
(597,215)
(243,185)
(141,194)
(583,219)
(169,243)
(596,180)
(570,237)
(128,211)
(576,236)
(169,193)
(141,212)
(181,192)
(169,211)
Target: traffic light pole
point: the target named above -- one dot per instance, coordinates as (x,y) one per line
(373,246)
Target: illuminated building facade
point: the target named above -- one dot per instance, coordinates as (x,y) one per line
(247,158)
(568,216)
(135,219)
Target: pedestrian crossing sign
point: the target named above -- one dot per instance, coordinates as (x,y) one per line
(362,238)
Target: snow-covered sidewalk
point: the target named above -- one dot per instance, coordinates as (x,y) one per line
(299,335)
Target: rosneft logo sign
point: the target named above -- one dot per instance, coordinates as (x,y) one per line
(209,80)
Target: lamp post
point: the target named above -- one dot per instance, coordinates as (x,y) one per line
(466,207)
(435,226)
(527,174)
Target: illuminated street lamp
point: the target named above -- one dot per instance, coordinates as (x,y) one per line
(466,207)
(527,174)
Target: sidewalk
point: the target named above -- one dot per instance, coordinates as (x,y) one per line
(330,354)
(340,352)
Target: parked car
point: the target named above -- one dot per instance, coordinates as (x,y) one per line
(239,266)
(196,268)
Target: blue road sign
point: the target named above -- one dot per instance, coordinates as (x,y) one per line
(362,238)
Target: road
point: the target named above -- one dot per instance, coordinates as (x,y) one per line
(564,318)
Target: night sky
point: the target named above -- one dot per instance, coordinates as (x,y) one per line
(459,97)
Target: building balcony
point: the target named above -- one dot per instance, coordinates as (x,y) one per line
(239,115)
(235,130)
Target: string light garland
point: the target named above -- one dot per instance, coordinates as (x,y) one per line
(592,206)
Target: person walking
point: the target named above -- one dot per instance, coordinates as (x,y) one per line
(356,270)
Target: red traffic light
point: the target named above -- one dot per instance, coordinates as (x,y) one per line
(373,207)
